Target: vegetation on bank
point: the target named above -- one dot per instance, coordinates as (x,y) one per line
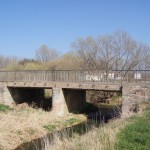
(135,135)
(24,124)
(104,137)
(4,108)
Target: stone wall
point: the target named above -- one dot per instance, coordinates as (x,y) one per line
(133,95)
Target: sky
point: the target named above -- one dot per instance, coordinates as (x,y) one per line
(25,25)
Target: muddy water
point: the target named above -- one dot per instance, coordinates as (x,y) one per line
(101,112)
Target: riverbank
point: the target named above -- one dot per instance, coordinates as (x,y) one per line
(23,124)
(135,135)
(104,137)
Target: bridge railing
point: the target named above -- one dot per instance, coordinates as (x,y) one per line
(118,76)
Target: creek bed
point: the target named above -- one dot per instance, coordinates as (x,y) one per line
(37,144)
(96,114)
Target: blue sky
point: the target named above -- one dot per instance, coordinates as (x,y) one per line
(25,25)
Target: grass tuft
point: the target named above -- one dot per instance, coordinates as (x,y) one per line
(4,108)
(49,127)
(71,121)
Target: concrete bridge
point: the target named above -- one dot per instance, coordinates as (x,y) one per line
(69,87)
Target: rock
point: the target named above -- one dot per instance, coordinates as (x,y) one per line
(134,108)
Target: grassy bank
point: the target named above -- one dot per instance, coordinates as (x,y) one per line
(104,137)
(23,124)
(136,135)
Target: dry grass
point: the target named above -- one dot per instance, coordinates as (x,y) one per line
(102,138)
(25,124)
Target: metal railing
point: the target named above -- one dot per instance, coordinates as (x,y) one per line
(117,76)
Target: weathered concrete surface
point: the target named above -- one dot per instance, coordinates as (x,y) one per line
(18,95)
(29,95)
(133,95)
(68,100)
(63,100)
(70,97)
(5,96)
(75,100)
(85,86)
(59,106)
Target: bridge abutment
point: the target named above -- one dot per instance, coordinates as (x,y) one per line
(28,95)
(133,95)
(5,96)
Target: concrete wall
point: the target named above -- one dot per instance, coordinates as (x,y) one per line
(59,106)
(5,96)
(133,95)
(16,95)
(71,100)
(75,100)
(68,100)
(28,95)
(63,100)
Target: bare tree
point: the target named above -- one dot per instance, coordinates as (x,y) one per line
(86,51)
(46,54)
(117,51)
(127,50)
(145,61)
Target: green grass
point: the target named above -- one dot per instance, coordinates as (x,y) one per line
(59,125)
(71,121)
(4,108)
(49,127)
(136,135)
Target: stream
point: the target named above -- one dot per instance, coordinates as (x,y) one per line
(96,114)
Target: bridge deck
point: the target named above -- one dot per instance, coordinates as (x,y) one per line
(86,86)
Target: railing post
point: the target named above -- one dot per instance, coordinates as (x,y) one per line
(15,76)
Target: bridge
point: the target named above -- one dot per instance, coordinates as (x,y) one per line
(69,86)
